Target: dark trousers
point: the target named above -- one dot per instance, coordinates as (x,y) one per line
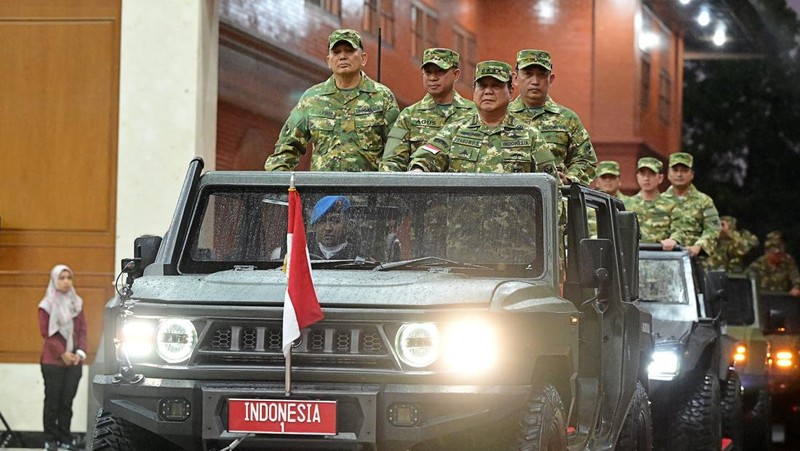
(60,386)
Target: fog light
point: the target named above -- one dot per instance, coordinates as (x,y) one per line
(174,409)
(403,415)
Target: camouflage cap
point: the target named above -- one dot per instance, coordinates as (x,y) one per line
(607,167)
(347,35)
(496,69)
(444,58)
(654,164)
(730,220)
(774,240)
(530,57)
(683,158)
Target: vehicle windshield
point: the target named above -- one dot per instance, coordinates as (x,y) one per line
(491,229)
(662,281)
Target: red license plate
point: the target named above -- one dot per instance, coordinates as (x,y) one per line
(282,416)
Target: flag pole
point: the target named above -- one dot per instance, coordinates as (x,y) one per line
(288,370)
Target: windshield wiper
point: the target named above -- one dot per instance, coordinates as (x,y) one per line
(357,263)
(427,262)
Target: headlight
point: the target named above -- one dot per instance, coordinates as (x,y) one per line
(175,340)
(418,344)
(137,338)
(783,359)
(470,347)
(740,355)
(664,366)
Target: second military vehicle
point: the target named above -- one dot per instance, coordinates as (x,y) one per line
(695,391)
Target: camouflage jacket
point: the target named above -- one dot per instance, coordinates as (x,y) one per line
(655,217)
(471,146)
(696,220)
(782,277)
(416,125)
(347,129)
(563,128)
(731,250)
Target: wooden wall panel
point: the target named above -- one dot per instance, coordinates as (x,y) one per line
(58,156)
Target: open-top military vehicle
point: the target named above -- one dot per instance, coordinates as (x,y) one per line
(447,330)
(695,392)
(783,332)
(745,320)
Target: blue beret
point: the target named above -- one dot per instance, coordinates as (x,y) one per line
(324,205)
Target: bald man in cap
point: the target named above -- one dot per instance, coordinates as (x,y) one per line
(441,105)
(491,140)
(346,118)
(695,213)
(560,126)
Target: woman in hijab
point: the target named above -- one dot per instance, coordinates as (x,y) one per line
(63,327)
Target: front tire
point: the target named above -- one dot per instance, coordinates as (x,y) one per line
(758,422)
(698,425)
(731,406)
(115,434)
(542,425)
(637,432)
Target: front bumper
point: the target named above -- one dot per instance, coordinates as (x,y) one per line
(362,411)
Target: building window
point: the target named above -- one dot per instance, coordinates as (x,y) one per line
(645,86)
(664,97)
(466,46)
(332,7)
(424,25)
(379,13)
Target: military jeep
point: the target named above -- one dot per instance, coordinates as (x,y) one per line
(782,330)
(695,391)
(447,329)
(745,320)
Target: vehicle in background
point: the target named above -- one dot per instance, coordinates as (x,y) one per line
(447,330)
(783,332)
(694,390)
(744,319)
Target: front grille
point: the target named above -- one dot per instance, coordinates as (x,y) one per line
(339,345)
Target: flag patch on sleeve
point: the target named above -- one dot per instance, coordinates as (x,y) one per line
(431,148)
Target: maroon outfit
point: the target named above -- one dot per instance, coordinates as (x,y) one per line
(56,345)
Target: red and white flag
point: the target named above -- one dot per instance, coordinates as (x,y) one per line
(300,306)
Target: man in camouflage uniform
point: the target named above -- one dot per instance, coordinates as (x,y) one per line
(346,118)
(776,270)
(441,105)
(490,140)
(654,211)
(695,216)
(560,126)
(608,179)
(733,246)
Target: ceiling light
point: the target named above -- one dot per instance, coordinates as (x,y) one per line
(685,2)
(719,37)
(704,18)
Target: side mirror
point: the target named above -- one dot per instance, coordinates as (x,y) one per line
(595,260)
(715,285)
(145,249)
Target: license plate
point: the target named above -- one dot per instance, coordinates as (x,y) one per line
(282,416)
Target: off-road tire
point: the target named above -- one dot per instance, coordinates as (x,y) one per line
(542,425)
(637,432)
(758,423)
(731,407)
(697,422)
(115,434)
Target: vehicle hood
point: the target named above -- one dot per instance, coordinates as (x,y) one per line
(671,331)
(346,288)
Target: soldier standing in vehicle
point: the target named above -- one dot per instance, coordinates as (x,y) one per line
(346,118)
(560,126)
(733,246)
(608,179)
(695,215)
(654,211)
(490,140)
(776,270)
(441,105)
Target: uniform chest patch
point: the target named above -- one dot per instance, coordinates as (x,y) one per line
(517,143)
(467,141)
(368,110)
(424,122)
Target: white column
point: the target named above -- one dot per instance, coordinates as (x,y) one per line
(167,109)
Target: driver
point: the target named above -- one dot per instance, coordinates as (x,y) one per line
(329,222)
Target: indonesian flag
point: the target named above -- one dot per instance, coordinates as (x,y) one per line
(300,306)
